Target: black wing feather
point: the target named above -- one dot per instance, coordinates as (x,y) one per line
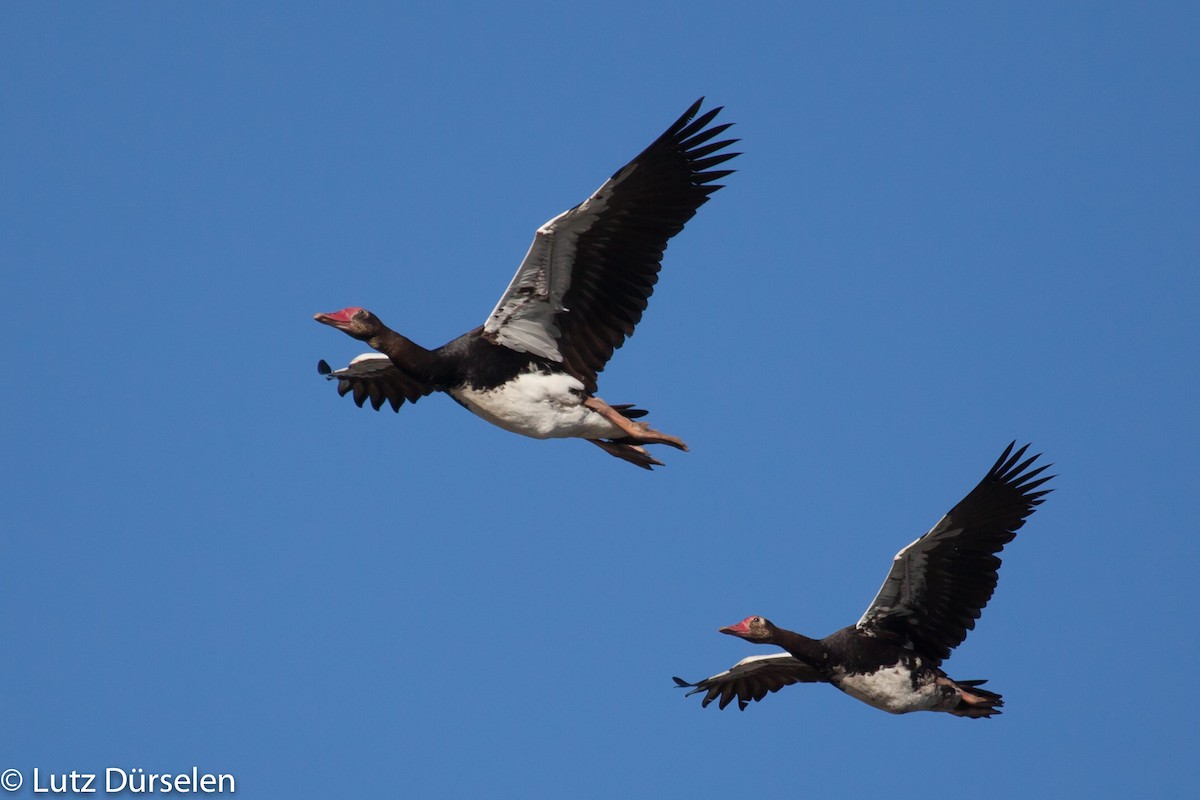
(383,385)
(618,258)
(939,584)
(751,679)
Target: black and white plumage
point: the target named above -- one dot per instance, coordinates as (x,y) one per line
(936,589)
(531,368)
(752,678)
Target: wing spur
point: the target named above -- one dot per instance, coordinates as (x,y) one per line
(939,584)
(590,271)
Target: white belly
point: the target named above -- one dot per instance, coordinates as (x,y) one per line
(891,689)
(538,405)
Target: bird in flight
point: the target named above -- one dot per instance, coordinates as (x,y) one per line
(937,587)
(531,368)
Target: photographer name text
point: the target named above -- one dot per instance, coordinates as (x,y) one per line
(115,780)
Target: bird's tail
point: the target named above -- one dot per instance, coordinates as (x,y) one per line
(627,411)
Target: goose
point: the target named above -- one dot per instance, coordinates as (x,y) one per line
(531,368)
(937,587)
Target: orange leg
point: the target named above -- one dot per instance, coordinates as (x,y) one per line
(637,431)
(973,705)
(967,697)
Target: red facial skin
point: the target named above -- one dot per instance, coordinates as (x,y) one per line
(338,319)
(740,629)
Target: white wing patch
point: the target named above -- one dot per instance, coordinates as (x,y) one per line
(366,365)
(523,320)
(752,664)
(904,585)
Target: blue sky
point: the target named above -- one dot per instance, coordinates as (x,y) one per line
(953,226)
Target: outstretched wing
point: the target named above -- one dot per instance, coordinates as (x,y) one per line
(751,679)
(939,584)
(590,271)
(373,377)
